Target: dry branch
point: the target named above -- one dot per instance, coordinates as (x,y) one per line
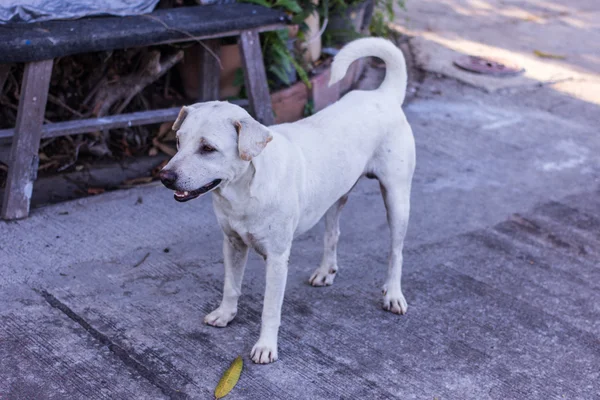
(124,89)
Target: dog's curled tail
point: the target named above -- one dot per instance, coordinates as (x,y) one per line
(395,75)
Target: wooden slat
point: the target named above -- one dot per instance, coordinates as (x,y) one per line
(210,70)
(23,165)
(51,39)
(96,124)
(229,33)
(4,71)
(255,77)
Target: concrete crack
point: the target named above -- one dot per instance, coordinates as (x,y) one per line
(123,355)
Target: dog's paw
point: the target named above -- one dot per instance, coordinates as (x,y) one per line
(264,353)
(220,317)
(394,301)
(323,277)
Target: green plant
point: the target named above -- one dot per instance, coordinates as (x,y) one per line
(279,59)
(309,108)
(278,54)
(383,14)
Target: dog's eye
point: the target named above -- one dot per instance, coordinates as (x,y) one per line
(207,148)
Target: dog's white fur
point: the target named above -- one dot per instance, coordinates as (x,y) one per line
(296,174)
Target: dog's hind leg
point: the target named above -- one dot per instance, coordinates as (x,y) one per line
(324,275)
(397,204)
(395,170)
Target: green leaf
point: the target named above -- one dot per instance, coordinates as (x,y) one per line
(238,78)
(389,5)
(301,73)
(263,3)
(280,73)
(290,5)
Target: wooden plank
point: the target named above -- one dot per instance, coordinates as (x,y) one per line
(210,70)
(229,33)
(96,124)
(24,151)
(51,39)
(255,77)
(4,70)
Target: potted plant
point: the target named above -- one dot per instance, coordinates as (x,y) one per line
(287,56)
(346,20)
(383,14)
(351,19)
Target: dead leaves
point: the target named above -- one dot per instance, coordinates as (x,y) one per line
(543,54)
(230,378)
(165,148)
(137,181)
(92,191)
(164,134)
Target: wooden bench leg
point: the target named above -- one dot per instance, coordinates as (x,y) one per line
(255,77)
(210,70)
(23,164)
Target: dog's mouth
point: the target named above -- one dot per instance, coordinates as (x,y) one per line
(184,195)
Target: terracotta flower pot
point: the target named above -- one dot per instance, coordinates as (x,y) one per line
(231,60)
(324,95)
(289,103)
(189,71)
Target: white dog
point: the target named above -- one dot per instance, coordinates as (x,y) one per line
(271,184)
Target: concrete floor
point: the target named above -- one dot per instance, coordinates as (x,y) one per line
(104,297)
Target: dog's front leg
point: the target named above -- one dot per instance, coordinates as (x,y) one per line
(265,350)
(235,254)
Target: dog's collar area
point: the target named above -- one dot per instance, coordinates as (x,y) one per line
(184,195)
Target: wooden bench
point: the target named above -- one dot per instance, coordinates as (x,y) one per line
(38,44)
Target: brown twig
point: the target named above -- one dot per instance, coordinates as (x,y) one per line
(129,86)
(16,108)
(212,53)
(167,84)
(142,260)
(59,102)
(4,71)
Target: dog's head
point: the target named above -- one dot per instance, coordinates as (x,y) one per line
(215,143)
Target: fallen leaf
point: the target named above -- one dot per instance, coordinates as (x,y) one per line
(230,378)
(531,18)
(138,181)
(94,191)
(46,165)
(542,54)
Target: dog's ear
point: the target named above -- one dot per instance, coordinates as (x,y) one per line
(180,117)
(252,138)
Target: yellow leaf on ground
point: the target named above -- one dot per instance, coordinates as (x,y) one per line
(542,54)
(230,378)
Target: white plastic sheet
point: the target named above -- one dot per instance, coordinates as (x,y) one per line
(44,10)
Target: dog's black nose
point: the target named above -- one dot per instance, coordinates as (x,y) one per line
(167,178)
